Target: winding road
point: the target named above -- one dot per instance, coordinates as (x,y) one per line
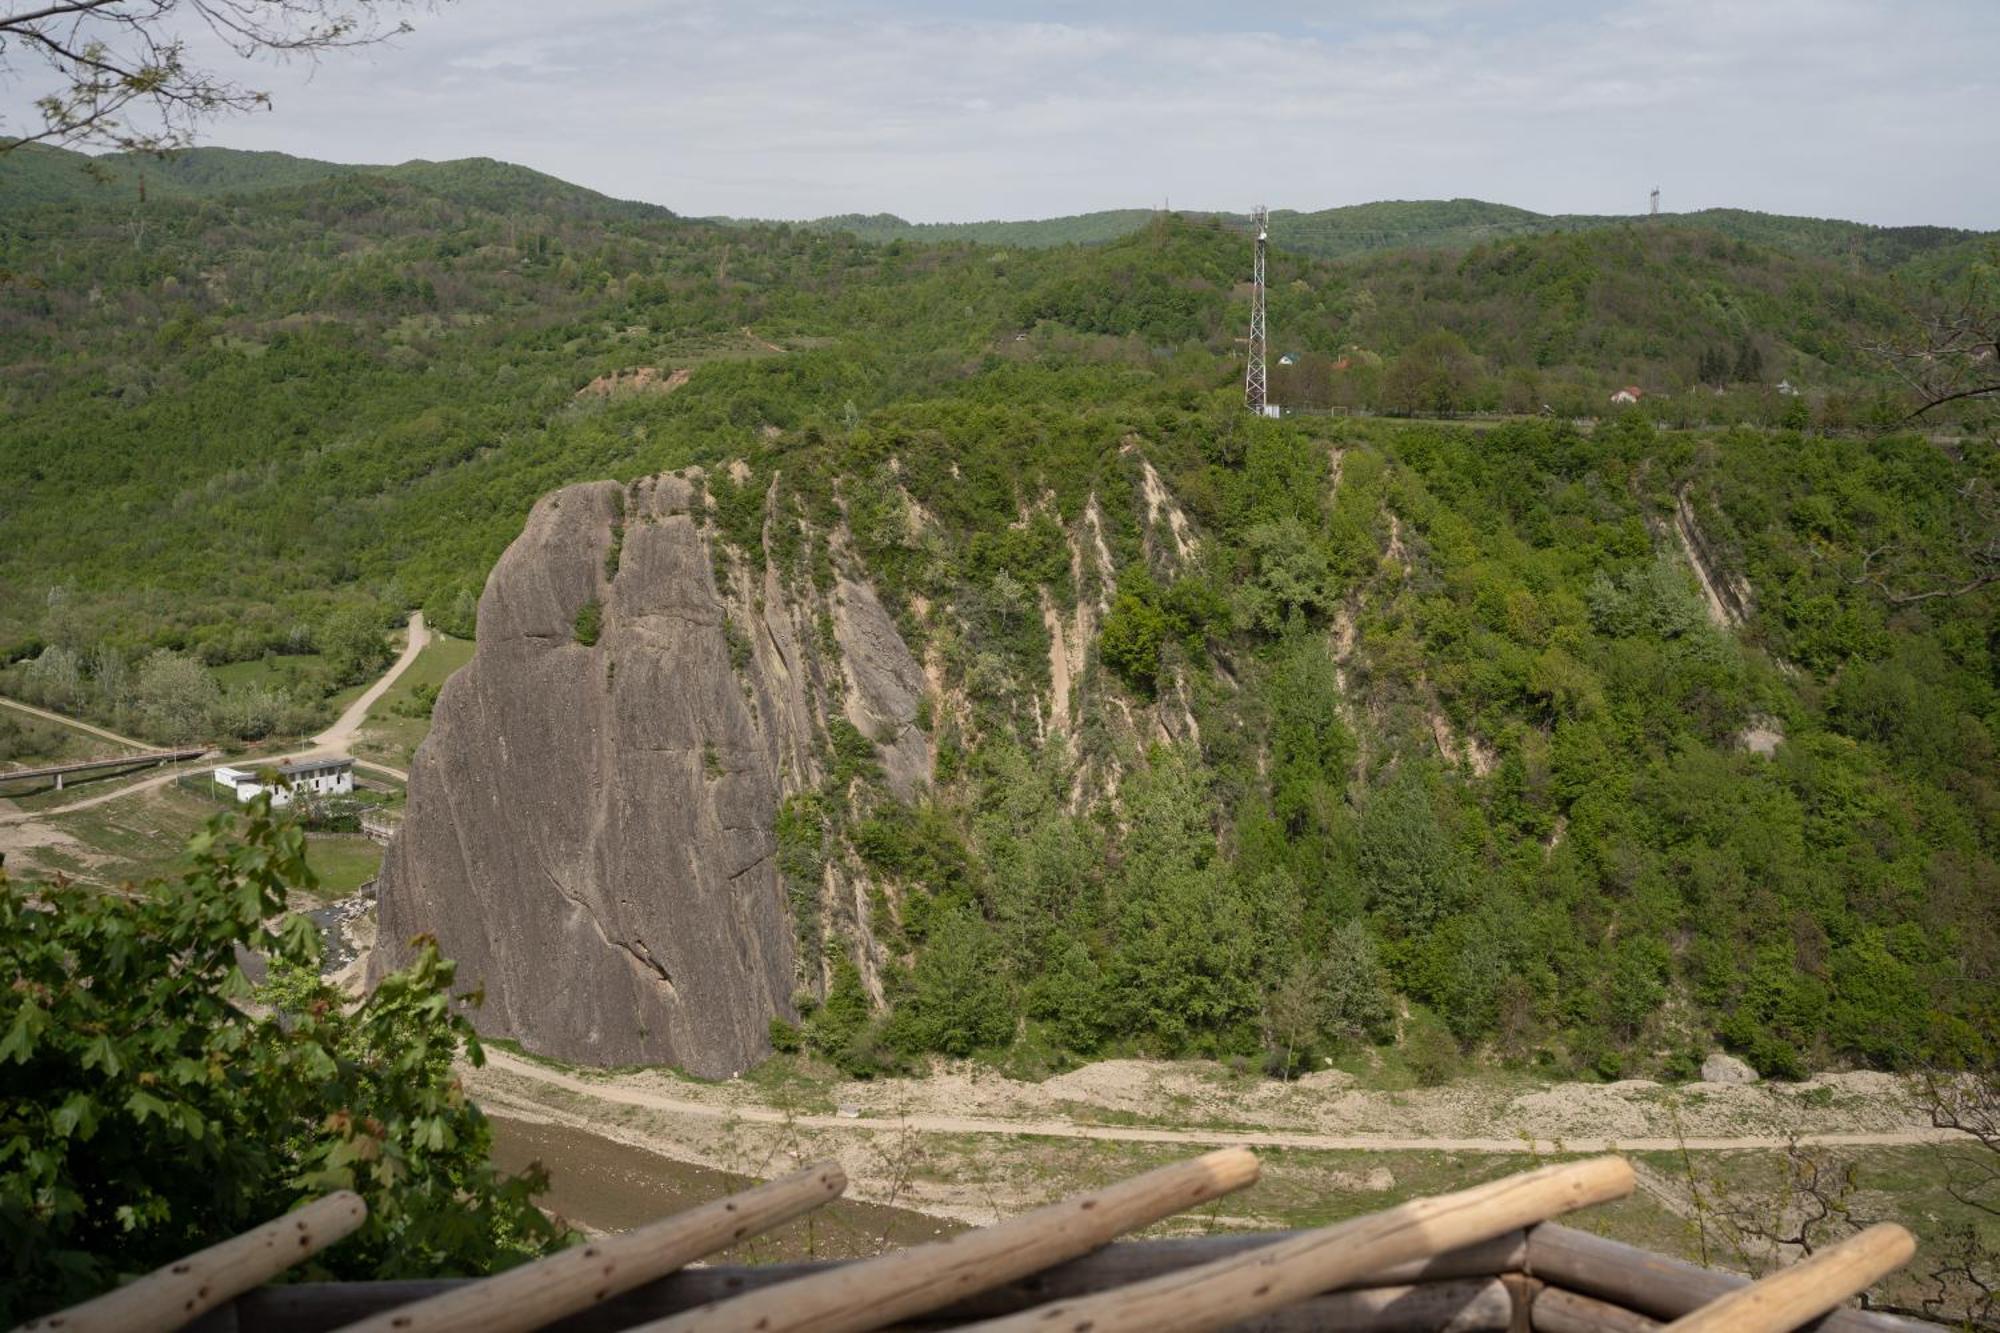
(621,1095)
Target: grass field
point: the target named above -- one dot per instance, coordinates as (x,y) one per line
(278,672)
(343,862)
(121,842)
(401,719)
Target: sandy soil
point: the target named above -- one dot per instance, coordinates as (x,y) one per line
(1196,1103)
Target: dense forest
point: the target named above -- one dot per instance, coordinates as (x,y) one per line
(1385,730)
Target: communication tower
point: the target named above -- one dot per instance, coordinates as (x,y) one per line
(1254,378)
(1656,201)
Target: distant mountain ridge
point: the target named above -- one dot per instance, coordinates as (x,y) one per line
(34,175)
(1357,229)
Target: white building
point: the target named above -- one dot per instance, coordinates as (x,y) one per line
(330,775)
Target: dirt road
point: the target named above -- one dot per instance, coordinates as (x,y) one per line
(339,736)
(75,725)
(620,1094)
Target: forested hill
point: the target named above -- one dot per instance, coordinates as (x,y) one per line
(1359,229)
(35,176)
(1273,738)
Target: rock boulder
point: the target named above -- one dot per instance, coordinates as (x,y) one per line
(1720,1068)
(590,826)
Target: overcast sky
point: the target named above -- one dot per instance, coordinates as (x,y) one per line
(1878,110)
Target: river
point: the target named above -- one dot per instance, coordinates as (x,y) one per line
(608,1186)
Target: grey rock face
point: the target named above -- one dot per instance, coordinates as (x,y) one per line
(1720,1068)
(590,829)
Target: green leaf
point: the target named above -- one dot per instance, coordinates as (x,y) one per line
(30,1021)
(99,1053)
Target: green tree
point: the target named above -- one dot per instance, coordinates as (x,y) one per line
(1436,373)
(354,645)
(1134,632)
(1186,969)
(1411,869)
(959,999)
(177,697)
(149,1112)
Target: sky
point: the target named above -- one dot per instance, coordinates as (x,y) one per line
(1875,110)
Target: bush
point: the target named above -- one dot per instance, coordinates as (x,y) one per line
(1430,1048)
(149,1113)
(589,623)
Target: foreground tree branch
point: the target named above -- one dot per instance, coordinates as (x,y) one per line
(1951,353)
(119,72)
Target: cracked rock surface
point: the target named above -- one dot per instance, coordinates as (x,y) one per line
(590,827)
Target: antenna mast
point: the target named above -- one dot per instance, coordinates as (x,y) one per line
(1656,202)
(1254,381)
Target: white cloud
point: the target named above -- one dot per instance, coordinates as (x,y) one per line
(1858,108)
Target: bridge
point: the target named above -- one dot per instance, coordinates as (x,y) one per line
(62,772)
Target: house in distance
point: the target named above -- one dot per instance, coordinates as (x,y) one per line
(326,775)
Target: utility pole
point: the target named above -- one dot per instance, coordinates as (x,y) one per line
(1254,379)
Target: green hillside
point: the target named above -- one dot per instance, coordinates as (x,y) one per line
(1360,229)
(34,176)
(1455,759)
(1080,229)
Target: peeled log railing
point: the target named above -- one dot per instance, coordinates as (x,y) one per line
(1482,1260)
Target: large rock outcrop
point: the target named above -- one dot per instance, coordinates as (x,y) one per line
(590,826)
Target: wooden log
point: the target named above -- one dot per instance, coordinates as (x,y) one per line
(1781,1301)
(1469,1305)
(172,1296)
(901,1285)
(1221,1293)
(1657,1286)
(317,1307)
(532,1295)
(1559,1310)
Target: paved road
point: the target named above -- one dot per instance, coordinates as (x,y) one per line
(621,1095)
(339,736)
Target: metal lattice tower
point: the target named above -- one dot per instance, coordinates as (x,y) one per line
(1254,376)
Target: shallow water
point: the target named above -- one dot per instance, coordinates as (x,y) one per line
(610,1186)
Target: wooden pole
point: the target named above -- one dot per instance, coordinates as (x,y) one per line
(584,1275)
(1479,1305)
(1557,1310)
(1657,1286)
(1230,1290)
(1789,1297)
(169,1297)
(320,1307)
(895,1287)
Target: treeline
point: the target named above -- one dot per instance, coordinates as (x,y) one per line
(172,696)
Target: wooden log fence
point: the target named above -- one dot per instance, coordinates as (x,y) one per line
(1482,1260)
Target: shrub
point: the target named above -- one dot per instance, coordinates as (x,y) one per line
(589,623)
(150,1113)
